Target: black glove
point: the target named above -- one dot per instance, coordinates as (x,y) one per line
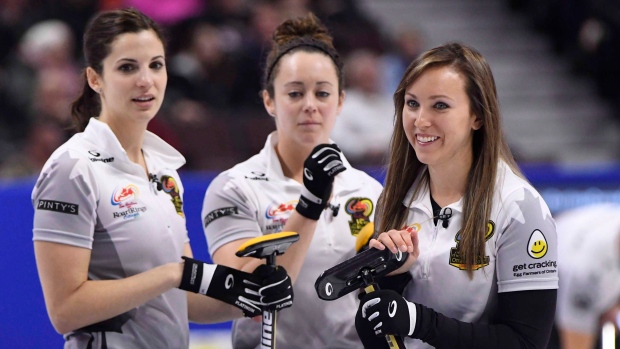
(320,168)
(276,292)
(384,312)
(248,292)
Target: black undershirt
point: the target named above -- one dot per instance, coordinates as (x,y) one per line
(523,320)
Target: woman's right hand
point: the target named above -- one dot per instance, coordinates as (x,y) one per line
(395,240)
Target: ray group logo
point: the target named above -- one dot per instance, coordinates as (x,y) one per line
(360,210)
(277,214)
(126,197)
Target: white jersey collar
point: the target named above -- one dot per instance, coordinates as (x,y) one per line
(423,197)
(159,153)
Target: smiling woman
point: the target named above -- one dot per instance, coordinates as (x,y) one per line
(487,276)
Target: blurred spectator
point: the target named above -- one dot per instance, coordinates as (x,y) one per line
(407,45)
(55,90)
(351,27)
(203,70)
(587,32)
(365,125)
(43,138)
(46,46)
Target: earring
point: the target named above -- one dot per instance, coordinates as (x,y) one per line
(98,90)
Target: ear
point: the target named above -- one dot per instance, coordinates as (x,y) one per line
(94,80)
(477,123)
(269,104)
(341,99)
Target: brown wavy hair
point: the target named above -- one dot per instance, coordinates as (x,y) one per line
(488,147)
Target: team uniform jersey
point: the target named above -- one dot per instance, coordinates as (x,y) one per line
(520,255)
(90,195)
(589,247)
(255,198)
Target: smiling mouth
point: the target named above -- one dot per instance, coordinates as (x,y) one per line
(426,139)
(541,250)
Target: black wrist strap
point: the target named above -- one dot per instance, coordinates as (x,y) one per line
(309,209)
(192,275)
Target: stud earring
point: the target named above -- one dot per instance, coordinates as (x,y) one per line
(98,90)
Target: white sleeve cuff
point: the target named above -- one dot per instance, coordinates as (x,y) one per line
(413,315)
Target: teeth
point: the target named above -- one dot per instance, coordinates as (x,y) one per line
(427,139)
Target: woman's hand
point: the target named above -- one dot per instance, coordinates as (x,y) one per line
(399,240)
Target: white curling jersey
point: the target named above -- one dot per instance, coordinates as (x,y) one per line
(90,195)
(589,245)
(521,252)
(255,198)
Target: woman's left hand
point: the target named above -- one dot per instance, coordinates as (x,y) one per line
(395,240)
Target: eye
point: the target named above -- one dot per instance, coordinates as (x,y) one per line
(322,94)
(441,105)
(294,94)
(157,65)
(126,68)
(411,103)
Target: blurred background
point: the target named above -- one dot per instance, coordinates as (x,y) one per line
(555,63)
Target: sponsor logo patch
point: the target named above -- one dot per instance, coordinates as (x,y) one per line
(170,187)
(96,155)
(58,206)
(277,215)
(257,176)
(360,210)
(126,197)
(456,260)
(537,245)
(219,213)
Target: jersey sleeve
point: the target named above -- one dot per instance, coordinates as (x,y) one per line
(527,245)
(65,201)
(227,214)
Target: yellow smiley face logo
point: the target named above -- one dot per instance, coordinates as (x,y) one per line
(537,245)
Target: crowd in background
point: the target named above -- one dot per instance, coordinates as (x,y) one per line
(212,112)
(587,33)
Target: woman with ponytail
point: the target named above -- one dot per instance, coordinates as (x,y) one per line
(110,240)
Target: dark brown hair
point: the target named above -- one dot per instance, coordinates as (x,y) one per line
(99,35)
(300,34)
(488,147)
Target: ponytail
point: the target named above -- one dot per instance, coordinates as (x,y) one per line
(86,106)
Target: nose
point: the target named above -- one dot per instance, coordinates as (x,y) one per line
(309,103)
(421,120)
(145,79)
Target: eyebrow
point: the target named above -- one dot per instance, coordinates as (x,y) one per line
(301,83)
(134,60)
(430,97)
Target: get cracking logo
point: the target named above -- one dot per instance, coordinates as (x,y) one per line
(537,245)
